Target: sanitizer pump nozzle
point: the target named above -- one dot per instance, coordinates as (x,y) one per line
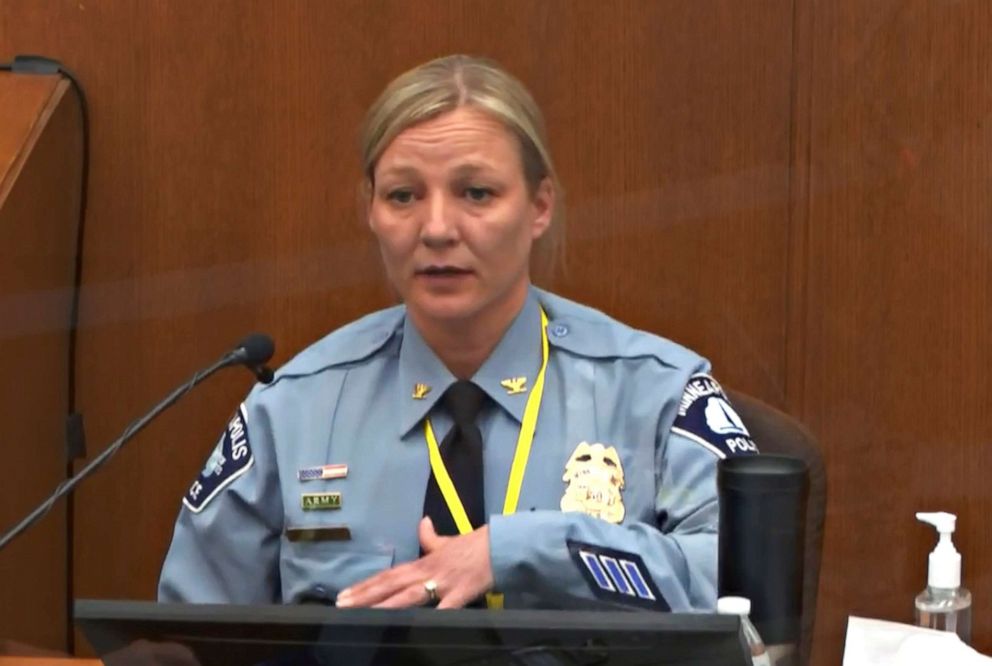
(944,604)
(945,560)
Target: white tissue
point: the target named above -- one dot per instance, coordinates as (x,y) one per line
(880,643)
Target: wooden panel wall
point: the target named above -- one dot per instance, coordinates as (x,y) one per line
(898,300)
(39,199)
(793,188)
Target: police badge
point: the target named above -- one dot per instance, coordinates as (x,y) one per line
(595,478)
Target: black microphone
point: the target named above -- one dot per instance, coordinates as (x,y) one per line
(252,352)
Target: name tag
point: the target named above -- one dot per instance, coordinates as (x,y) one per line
(328,533)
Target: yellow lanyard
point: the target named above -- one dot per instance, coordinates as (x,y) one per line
(524,441)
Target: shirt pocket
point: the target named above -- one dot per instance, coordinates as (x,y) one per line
(316,571)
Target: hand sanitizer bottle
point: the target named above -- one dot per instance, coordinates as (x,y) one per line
(944,604)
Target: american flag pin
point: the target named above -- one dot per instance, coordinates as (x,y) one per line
(322,472)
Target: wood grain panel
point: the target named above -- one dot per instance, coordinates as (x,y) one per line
(674,140)
(898,348)
(37,234)
(225,170)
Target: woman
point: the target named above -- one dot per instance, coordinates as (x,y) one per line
(579,455)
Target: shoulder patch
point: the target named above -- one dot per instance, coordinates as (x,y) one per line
(706,417)
(617,576)
(230,459)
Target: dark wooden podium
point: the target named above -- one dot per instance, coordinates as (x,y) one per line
(40,162)
(139,632)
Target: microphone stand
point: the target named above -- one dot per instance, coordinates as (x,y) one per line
(66,486)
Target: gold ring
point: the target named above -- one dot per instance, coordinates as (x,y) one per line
(431,588)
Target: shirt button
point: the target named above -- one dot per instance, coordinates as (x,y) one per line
(559,330)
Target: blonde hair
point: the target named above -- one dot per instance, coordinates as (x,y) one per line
(448,83)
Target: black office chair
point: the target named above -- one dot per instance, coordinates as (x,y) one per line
(777,432)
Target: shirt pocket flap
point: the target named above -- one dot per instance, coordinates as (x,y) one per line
(318,571)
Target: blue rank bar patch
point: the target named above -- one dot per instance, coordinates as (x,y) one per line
(617,576)
(706,417)
(231,459)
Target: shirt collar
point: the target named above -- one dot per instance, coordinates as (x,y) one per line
(518,354)
(510,371)
(421,373)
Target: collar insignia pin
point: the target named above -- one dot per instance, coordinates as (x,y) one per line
(420,390)
(514,385)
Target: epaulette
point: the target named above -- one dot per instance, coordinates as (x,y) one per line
(587,332)
(349,344)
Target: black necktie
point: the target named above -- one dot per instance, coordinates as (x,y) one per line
(461,451)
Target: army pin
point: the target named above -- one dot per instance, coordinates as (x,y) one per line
(320,501)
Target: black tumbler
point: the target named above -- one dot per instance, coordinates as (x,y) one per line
(762,532)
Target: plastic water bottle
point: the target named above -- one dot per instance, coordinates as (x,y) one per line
(742,606)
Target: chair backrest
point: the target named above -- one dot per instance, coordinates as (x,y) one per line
(777,432)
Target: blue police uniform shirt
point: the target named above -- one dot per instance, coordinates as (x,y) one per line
(318,481)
